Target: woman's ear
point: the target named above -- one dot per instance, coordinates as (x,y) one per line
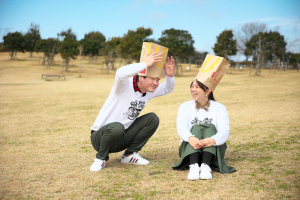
(208,91)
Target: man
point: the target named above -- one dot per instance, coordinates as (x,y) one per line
(118,126)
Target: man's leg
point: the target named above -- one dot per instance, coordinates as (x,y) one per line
(137,135)
(107,137)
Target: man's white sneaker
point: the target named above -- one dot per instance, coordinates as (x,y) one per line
(205,172)
(97,165)
(135,158)
(194,172)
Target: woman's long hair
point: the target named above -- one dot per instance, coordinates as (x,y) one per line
(204,88)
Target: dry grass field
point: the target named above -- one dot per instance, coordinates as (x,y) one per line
(45,150)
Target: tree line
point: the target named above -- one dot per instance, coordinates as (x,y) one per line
(253,41)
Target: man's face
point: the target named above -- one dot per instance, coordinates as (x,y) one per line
(149,84)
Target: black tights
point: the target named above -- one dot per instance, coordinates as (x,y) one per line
(206,157)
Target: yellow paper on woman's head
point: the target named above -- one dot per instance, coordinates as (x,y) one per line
(212,71)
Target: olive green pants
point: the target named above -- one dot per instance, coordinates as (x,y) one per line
(203,131)
(113,137)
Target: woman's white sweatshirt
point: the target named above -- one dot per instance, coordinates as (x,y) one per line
(187,116)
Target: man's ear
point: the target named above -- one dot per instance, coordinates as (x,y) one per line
(141,78)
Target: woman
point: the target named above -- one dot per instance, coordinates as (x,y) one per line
(203,126)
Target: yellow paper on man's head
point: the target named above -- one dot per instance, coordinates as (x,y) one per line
(157,69)
(212,71)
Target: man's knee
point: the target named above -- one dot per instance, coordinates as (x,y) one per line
(154,118)
(115,129)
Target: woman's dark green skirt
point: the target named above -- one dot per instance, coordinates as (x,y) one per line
(202,131)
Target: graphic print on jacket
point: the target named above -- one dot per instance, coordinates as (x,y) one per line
(205,121)
(134,110)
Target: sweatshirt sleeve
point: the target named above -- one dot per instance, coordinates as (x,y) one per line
(222,126)
(183,123)
(165,88)
(123,73)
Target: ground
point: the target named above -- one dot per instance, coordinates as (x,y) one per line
(46,150)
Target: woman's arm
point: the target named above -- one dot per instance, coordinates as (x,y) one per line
(183,128)
(183,123)
(222,126)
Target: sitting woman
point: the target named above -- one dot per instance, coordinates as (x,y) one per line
(203,126)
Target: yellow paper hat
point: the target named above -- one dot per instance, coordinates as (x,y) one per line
(212,71)
(157,69)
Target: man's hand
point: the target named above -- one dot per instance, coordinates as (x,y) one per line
(195,142)
(152,59)
(169,70)
(207,142)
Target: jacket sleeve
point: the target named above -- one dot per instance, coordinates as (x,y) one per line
(165,88)
(182,122)
(222,126)
(122,75)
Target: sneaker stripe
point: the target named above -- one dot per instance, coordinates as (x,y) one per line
(134,160)
(130,159)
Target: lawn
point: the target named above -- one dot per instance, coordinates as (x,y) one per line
(45,136)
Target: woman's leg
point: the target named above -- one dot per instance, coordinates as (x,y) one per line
(194,172)
(205,170)
(207,157)
(194,157)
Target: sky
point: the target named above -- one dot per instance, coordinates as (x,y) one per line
(203,19)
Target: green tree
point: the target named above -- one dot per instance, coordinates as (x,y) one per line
(226,44)
(111,50)
(179,42)
(68,48)
(275,45)
(131,43)
(68,34)
(92,43)
(253,44)
(199,57)
(111,44)
(244,35)
(272,45)
(49,47)
(31,37)
(14,42)
(293,57)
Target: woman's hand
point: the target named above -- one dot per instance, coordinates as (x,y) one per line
(195,142)
(207,142)
(169,70)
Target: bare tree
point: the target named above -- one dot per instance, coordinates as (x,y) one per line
(275,61)
(80,53)
(4,31)
(298,64)
(247,31)
(259,58)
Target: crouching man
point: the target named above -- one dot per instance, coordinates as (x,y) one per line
(118,127)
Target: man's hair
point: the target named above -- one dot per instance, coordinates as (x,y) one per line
(137,77)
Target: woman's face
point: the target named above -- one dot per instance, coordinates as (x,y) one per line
(197,92)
